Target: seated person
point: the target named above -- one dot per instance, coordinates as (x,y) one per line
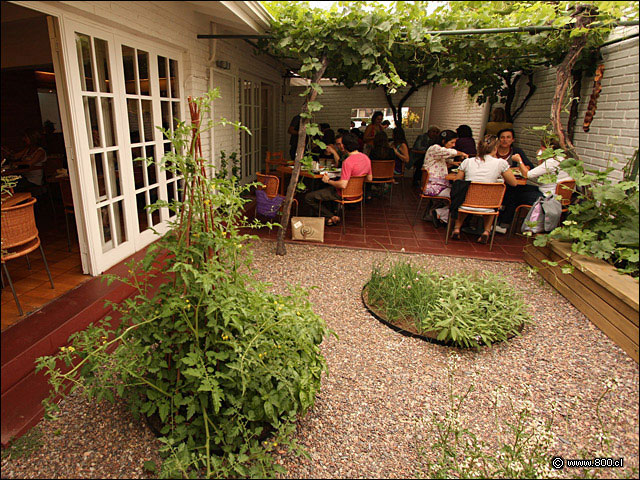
(380,151)
(465,142)
(422,144)
(32,155)
(354,165)
(436,159)
(401,149)
(506,148)
(487,168)
(529,193)
(324,155)
(337,151)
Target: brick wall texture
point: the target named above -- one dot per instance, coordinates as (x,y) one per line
(613,136)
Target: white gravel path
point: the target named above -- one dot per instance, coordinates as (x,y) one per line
(380,383)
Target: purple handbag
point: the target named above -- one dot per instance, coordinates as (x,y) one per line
(266,206)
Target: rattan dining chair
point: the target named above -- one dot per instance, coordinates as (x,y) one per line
(482,195)
(564,190)
(19,238)
(271,186)
(352,193)
(382,172)
(430,198)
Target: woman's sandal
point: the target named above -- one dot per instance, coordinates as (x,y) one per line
(455,235)
(330,222)
(484,238)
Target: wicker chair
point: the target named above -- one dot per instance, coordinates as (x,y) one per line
(482,195)
(430,198)
(20,237)
(564,190)
(352,193)
(382,172)
(271,186)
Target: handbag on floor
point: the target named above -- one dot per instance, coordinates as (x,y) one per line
(543,216)
(307,228)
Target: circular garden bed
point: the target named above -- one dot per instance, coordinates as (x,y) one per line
(455,310)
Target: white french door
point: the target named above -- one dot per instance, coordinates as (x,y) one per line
(250,145)
(120,91)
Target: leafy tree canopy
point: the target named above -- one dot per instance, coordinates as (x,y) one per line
(388,45)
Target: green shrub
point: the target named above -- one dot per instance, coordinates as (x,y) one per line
(221,362)
(603,220)
(465,310)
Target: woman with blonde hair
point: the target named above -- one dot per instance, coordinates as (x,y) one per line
(485,168)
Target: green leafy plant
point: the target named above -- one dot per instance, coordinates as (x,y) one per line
(465,310)
(221,365)
(24,446)
(526,450)
(603,220)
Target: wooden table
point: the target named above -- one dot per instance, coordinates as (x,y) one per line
(15,199)
(288,170)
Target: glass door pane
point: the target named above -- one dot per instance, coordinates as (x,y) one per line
(97,97)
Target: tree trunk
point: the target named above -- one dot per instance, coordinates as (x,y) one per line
(511,93)
(397,111)
(302,136)
(532,90)
(563,75)
(575,103)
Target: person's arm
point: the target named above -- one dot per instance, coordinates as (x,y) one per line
(510,178)
(369,133)
(523,157)
(336,183)
(459,175)
(36,157)
(516,157)
(402,151)
(331,150)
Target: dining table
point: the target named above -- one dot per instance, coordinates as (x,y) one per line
(288,170)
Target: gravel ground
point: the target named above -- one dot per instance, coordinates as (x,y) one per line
(368,420)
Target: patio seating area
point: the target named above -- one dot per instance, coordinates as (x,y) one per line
(389,227)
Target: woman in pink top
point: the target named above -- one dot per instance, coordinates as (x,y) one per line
(436,160)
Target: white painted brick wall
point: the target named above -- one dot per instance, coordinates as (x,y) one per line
(613,136)
(451,107)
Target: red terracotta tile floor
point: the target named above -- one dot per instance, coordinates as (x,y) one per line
(389,227)
(32,285)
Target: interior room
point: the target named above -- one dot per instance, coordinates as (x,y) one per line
(30,103)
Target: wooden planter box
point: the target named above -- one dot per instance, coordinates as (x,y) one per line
(608,299)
